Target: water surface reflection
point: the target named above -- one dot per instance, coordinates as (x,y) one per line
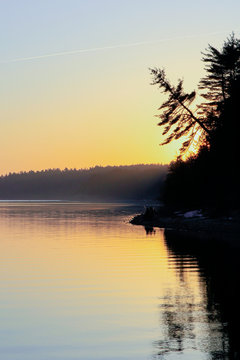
(77,281)
(218,267)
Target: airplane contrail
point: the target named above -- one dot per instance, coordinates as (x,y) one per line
(79,51)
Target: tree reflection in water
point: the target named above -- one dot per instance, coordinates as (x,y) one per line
(149,230)
(210,325)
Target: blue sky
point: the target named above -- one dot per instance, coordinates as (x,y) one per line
(96,108)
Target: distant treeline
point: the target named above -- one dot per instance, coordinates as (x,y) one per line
(111,183)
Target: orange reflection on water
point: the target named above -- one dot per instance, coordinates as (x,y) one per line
(76,274)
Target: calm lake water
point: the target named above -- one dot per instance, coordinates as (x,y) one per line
(77,281)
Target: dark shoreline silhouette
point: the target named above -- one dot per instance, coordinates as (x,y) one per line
(222,228)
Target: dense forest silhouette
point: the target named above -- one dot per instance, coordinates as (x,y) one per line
(211,127)
(111,183)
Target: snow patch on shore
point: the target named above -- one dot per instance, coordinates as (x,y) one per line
(193,213)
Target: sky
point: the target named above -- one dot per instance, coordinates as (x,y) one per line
(75,83)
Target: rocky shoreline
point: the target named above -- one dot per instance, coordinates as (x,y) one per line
(190,221)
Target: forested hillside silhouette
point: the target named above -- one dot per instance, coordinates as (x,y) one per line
(111,183)
(209,177)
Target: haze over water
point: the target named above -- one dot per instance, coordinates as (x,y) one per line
(77,281)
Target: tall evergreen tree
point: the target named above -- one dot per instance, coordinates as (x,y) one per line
(218,113)
(211,176)
(221,87)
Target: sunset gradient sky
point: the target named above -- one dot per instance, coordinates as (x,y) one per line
(75,85)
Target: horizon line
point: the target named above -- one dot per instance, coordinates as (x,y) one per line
(86,168)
